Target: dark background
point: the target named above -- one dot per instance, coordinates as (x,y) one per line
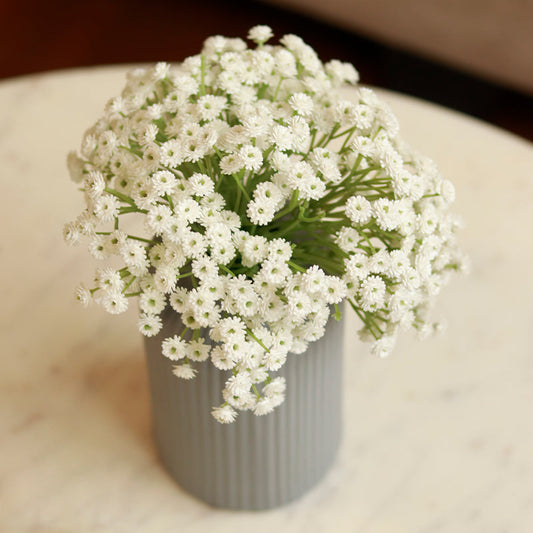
(42,36)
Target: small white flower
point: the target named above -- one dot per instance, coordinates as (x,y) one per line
(372,293)
(399,263)
(114,241)
(260,34)
(275,271)
(282,137)
(358,209)
(109,279)
(314,279)
(341,72)
(152,302)
(224,414)
(347,239)
(302,103)
(210,106)
(357,266)
(97,247)
(94,184)
(164,182)
(279,250)
(427,221)
(364,145)
(195,243)
(184,371)
(221,359)
(149,325)
(386,213)
(198,350)
(159,218)
(231,164)
(201,184)
(254,250)
(268,192)
(276,387)
(263,406)
(71,234)
(134,255)
(384,346)
(204,268)
(239,384)
(166,277)
(251,157)
(114,302)
(335,290)
(83,295)
(379,262)
(447,191)
(261,211)
(174,348)
(222,253)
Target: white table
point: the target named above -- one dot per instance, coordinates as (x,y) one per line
(438,438)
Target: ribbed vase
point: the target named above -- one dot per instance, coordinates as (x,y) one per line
(258,462)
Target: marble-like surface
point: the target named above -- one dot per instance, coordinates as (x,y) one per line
(438,438)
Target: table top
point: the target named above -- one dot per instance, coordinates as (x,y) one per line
(437,438)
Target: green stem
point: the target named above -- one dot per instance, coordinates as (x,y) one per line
(132,294)
(170,202)
(250,333)
(241,187)
(226,269)
(274,98)
(132,209)
(296,267)
(142,239)
(292,204)
(122,197)
(129,284)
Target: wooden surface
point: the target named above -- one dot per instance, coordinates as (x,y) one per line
(37,36)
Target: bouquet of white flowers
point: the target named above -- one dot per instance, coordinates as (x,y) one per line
(244,191)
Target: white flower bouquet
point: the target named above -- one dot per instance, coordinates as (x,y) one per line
(242,189)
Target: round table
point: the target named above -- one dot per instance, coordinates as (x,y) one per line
(438,437)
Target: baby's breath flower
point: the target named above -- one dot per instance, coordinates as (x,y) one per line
(260,34)
(149,325)
(174,348)
(358,209)
(301,103)
(83,295)
(184,371)
(244,192)
(225,414)
(114,302)
(71,234)
(384,346)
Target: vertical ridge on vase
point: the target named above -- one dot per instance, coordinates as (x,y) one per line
(311,465)
(258,462)
(216,438)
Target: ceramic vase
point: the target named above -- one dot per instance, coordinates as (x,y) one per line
(257,462)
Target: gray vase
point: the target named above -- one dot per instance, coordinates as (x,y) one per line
(258,462)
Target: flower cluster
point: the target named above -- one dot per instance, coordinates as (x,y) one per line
(242,191)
